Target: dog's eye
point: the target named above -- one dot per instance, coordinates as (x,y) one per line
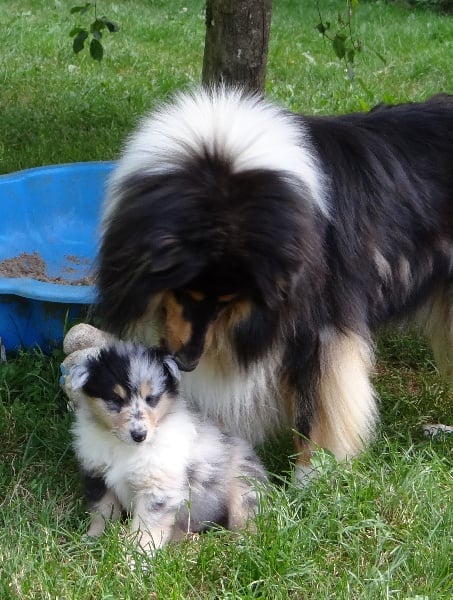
(114,402)
(152,399)
(227,298)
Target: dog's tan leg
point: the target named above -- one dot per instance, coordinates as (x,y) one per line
(154,529)
(105,509)
(242,504)
(345,406)
(436,319)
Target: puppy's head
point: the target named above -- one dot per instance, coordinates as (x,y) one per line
(128,389)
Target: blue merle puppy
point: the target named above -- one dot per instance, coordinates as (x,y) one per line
(144,451)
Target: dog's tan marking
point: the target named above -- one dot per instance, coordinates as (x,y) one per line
(100,412)
(287,400)
(240,311)
(346,407)
(155,413)
(225,298)
(436,319)
(178,330)
(120,391)
(220,330)
(196,295)
(146,389)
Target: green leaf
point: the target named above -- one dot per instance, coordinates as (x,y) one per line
(339,46)
(350,54)
(75,30)
(80,9)
(96,49)
(97,25)
(111,26)
(96,34)
(79,40)
(323,27)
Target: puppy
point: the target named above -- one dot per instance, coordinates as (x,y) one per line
(141,450)
(266,249)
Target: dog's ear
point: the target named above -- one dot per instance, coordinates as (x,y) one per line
(171,368)
(79,376)
(166,252)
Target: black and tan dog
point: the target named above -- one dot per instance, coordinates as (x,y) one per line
(266,248)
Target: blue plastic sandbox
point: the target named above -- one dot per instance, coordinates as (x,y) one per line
(52,211)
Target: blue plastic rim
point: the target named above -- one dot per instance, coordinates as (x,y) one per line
(53,212)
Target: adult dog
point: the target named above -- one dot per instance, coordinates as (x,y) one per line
(265,248)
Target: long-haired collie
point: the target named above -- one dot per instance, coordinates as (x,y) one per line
(265,249)
(142,450)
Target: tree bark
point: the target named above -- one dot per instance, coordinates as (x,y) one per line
(236,46)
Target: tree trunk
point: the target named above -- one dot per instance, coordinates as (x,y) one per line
(237,36)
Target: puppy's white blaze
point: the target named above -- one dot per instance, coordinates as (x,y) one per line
(348,413)
(244,130)
(141,370)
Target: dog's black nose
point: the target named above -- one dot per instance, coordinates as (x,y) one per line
(185,364)
(138,436)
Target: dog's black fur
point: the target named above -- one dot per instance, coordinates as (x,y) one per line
(281,277)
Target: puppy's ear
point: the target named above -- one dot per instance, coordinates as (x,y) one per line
(171,368)
(79,376)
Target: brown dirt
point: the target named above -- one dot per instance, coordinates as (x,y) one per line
(33,266)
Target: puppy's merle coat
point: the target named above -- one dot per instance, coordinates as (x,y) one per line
(143,451)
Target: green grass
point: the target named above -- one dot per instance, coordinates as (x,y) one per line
(59,107)
(376,528)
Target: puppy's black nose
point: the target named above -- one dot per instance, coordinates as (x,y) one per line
(138,436)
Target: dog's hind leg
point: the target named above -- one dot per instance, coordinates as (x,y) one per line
(245,479)
(436,320)
(344,402)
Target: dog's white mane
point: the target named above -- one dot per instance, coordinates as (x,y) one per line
(244,130)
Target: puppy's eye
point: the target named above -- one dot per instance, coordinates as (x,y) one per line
(152,399)
(114,403)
